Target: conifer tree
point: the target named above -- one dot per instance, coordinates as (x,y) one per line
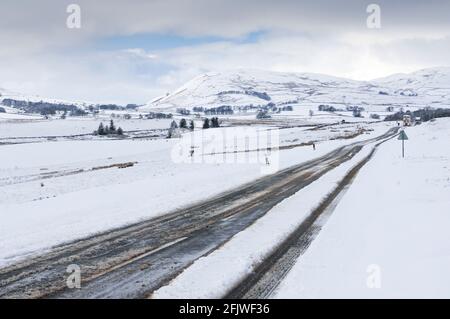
(206,123)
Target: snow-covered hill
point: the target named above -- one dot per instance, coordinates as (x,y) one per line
(432,84)
(429,87)
(6,94)
(18,103)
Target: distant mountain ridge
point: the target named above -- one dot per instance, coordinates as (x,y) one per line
(427,87)
(244,87)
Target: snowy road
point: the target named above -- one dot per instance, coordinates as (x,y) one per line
(134,261)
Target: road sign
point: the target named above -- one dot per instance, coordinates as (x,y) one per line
(403,137)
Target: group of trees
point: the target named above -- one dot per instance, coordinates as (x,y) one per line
(113,107)
(261,95)
(78,112)
(156,115)
(174,129)
(288,108)
(214,122)
(51,111)
(352,108)
(48,111)
(108,130)
(425,114)
(229,110)
(357,113)
(356,110)
(263,115)
(326,108)
(184,125)
(271,107)
(183,111)
(220,110)
(42,107)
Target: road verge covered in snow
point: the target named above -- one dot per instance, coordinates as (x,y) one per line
(389,235)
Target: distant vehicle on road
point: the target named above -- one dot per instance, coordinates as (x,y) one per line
(407,120)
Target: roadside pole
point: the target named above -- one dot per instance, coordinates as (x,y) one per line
(403,148)
(403,137)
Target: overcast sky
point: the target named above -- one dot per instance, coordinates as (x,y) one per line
(131,51)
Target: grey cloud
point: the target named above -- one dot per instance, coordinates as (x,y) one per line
(40,55)
(45,19)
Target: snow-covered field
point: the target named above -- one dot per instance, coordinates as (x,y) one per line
(71,126)
(389,236)
(12,115)
(54,192)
